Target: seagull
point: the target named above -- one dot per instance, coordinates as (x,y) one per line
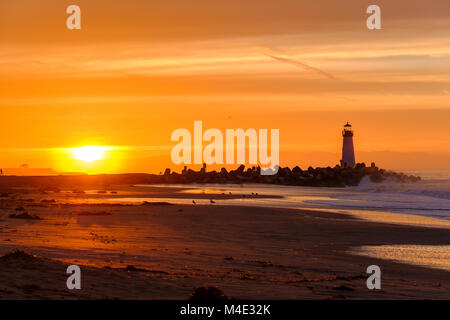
(212,201)
(193,201)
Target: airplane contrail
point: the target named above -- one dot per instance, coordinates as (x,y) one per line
(303,65)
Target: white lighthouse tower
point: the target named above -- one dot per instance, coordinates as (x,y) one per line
(348,152)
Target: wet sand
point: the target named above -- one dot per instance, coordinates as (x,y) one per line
(248,252)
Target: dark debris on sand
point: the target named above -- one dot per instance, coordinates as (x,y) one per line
(98,213)
(209,293)
(147,203)
(25,216)
(343,288)
(131,268)
(18,255)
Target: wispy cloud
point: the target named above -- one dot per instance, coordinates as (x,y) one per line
(304,66)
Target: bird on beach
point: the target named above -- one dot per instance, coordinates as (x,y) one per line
(211,201)
(193,201)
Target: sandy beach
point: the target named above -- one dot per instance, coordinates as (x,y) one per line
(159,250)
(250,150)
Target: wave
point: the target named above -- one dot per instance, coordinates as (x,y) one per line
(428,197)
(429,188)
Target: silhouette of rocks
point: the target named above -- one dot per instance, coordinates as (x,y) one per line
(337,176)
(314,177)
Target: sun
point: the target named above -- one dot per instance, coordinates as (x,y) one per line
(89,153)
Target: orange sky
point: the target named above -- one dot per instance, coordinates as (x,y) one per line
(140,69)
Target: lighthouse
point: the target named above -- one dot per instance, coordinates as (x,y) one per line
(348,153)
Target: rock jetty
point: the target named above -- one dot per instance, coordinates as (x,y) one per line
(315,177)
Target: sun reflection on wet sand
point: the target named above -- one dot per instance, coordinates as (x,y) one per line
(437,257)
(396,218)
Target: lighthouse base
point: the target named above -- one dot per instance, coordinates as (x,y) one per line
(348,153)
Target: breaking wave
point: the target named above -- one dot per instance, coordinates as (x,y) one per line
(426,197)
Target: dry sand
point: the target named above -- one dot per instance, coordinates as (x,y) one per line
(248,252)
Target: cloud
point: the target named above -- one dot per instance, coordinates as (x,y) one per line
(304,66)
(446,92)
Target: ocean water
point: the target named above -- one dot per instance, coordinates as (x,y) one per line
(427,198)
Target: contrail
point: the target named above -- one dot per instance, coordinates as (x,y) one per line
(303,65)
